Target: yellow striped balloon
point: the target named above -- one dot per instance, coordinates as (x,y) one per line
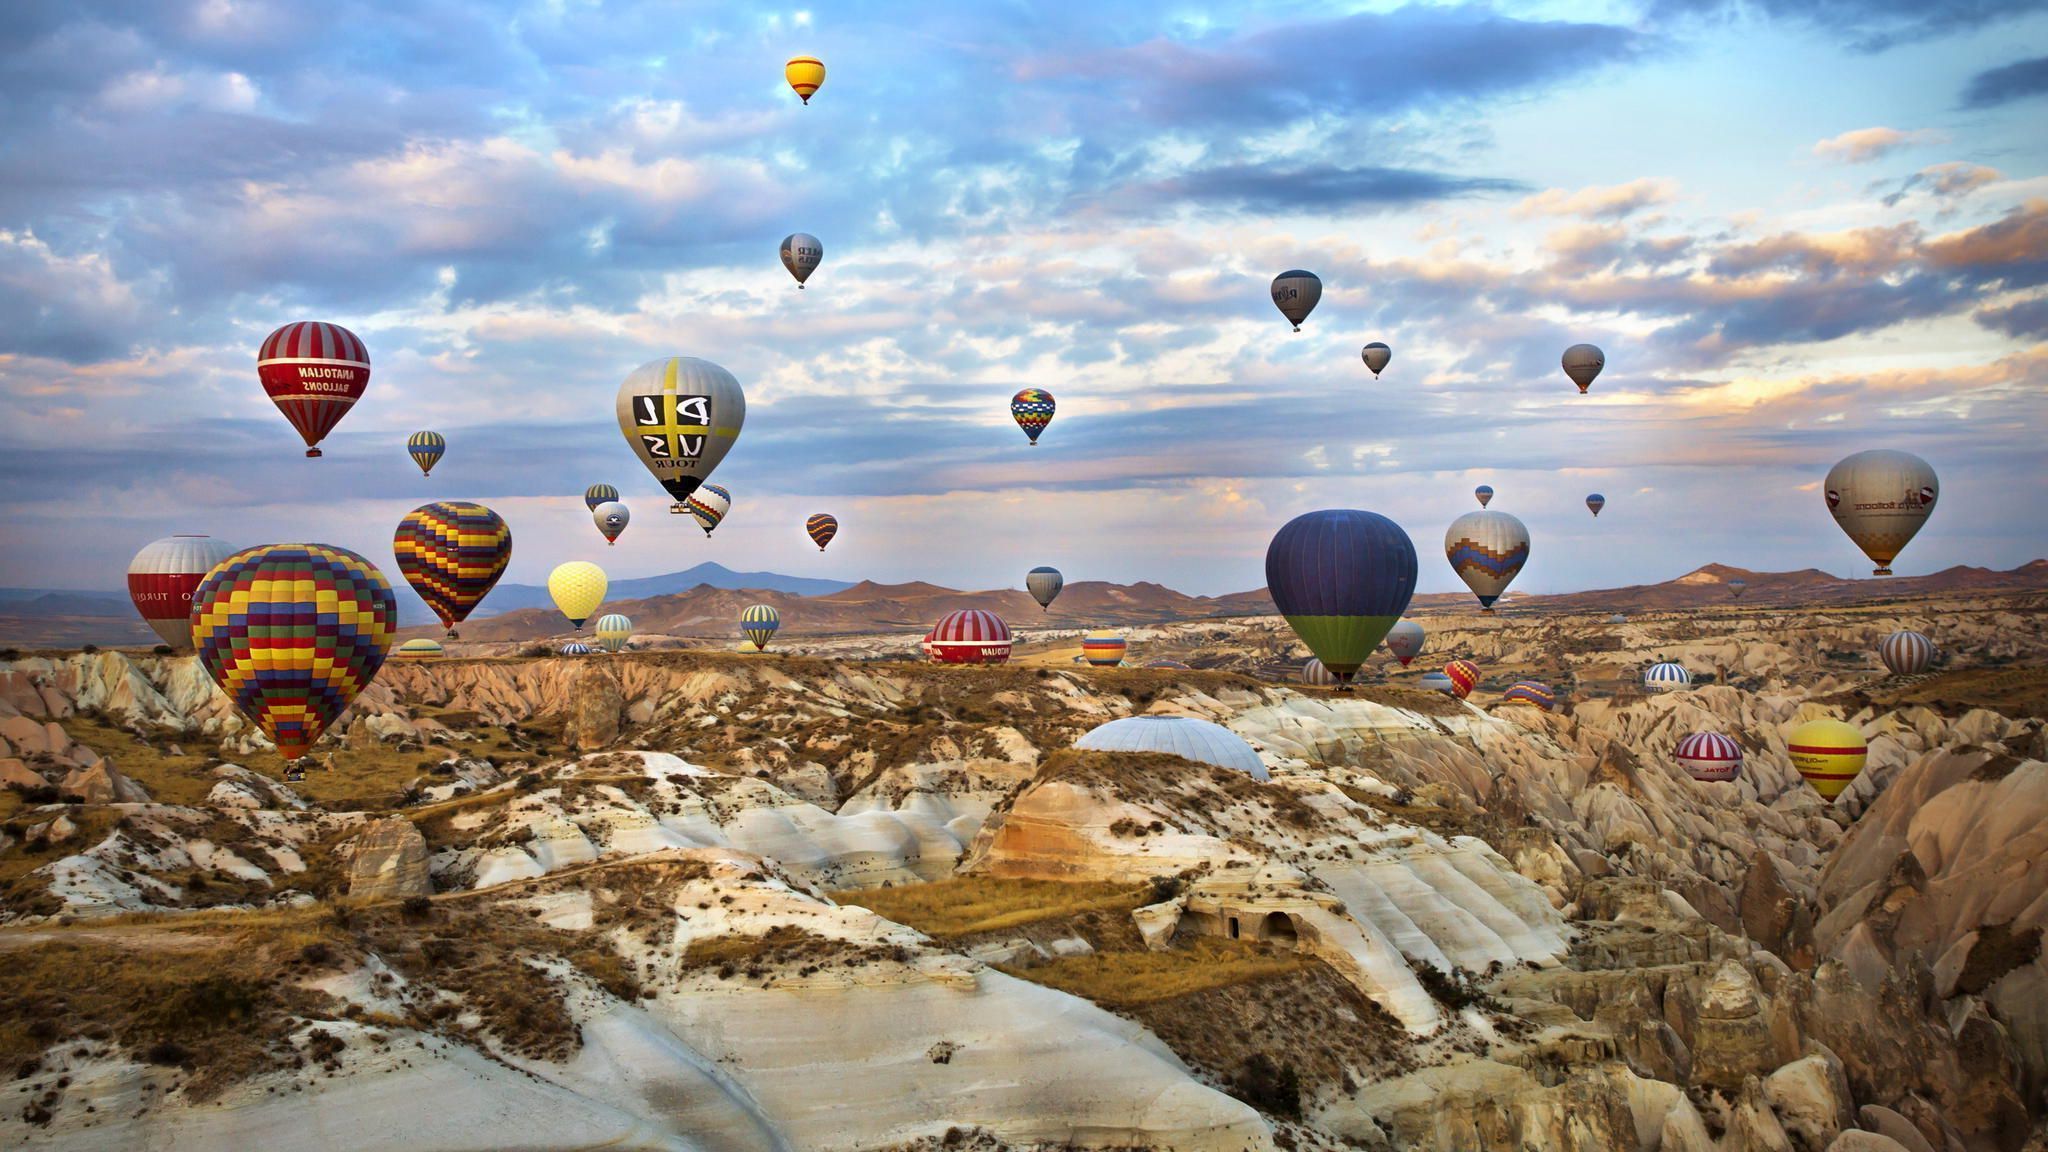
(758,624)
(1828,754)
(577,587)
(806,74)
(452,553)
(613,631)
(426,449)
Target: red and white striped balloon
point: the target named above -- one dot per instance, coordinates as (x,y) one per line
(969,636)
(1710,757)
(163,576)
(314,373)
(1906,653)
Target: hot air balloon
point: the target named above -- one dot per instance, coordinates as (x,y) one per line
(681,416)
(1828,754)
(1617,618)
(1530,692)
(575,648)
(1376,356)
(1315,672)
(599,494)
(291,632)
(758,624)
(1342,578)
(613,630)
(1906,653)
(314,373)
(1710,757)
(806,74)
(1583,362)
(1295,294)
(1404,640)
(1172,664)
(420,649)
(1464,674)
(1667,677)
(1486,550)
(822,528)
(1881,498)
(1437,682)
(426,450)
(1044,584)
(1032,409)
(1201,741)
(1103,649)
(452,553)
(709,504)
(1737,587)
(1483,494)
(1596,502)
(801,254)
(163,576)
(611,518)
(969,636)
(577,587)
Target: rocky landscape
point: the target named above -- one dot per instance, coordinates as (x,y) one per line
(688,899)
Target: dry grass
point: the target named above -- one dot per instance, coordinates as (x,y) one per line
(1127,980)
(972,905)
(179,779)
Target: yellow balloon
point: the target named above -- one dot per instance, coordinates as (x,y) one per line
(578,588)
(805,74)
(1828,753)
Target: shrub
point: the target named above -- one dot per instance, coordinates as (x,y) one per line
(416,906)
(535,651)
(1269,1087)
(10,653)
(90,649)
(162,650)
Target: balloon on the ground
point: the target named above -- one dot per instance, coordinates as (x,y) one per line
(292,632)
(1376,355)
(1881,498)
(1044,584)
(801,254)
(1596,502)
(1486,549)
(758,624)
(420,649)
(1201,741)
(1341,577)
(1032,409)
(1103,649)
(1828,754)
(1172,664)
(1737,587)
(1483,494)
(1404,640)
(452,553)
(613,630)
(1437,682)
(1530,692)
(314,373)
(1906,653)
(163,576)
(1295,293)
(577,588)
(806,74)
(681,416)
(1583,362)
(709,504)
(1618,618)
(969,636)
(575,648)
(426,450)
(1710,757)
(1317,673)
(599,494)
(611,519)
(1667,677)
(821,528)
(1464,675)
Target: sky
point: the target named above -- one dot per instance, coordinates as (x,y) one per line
(1798,229)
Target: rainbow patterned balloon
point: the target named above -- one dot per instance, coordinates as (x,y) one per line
(452,553)
(292,632)
(1032,409)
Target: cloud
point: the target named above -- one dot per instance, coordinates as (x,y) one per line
(2007,83)
(2021,320)
(1864,25)
(1600,203)
(1265,189)
(1866,144)
(1945,182)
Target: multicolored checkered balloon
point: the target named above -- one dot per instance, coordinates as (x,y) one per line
(452,553)
(292,632)
(1032,409)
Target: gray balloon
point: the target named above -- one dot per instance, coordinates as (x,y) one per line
(801,254)
(1044,584)
(1582,362)
(1376,356)
(680,415)
(1295,294)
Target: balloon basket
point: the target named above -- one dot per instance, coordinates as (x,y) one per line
(679,508)
(312,452)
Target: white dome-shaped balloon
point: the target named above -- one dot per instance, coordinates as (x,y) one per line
(1182,736)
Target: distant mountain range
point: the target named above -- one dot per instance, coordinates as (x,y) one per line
(705,601)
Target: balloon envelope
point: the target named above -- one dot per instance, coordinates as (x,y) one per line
(759,622)
(821,528)
(1464,675)
(1530,692)
(709,504)
(1583,362)
(1376,356)
(598,494)
(1596,502)
(577,588)
(1483,494)
(613,630)
(1737,587)
(292,632)
(1828,754)
(420,649)
(1342,577)
(426,449)
(611,518)
(1032,409)
(969,636)
(1103,649)
(314,373)
(163,577)
(1881,499)
(1710,757)
(1404,640)
(1487,549)
(801,254)
(1044,584)
(681,416)
(806,74)
(452,553)
(1295,293)
(1906,653)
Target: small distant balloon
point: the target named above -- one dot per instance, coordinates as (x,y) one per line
(1737,587)
(1103,649)
(806,74)
(426,449)
(1404,640)
(611,518)
(1376,356)
(1044,584)
(1710,757)
(758,623)
(1906,653)
(1828,755)
(1583,362)
(801,254)
(1295,293)
(709,504)
(1032,410)
(1464,675)
(1881,498)
(613,631)
(1487,550)
(598,494)
(1596,502)
(1483,494)
(822,528)
(577,588)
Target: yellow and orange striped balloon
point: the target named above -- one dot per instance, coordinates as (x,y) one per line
(1828,754)
(806,74)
